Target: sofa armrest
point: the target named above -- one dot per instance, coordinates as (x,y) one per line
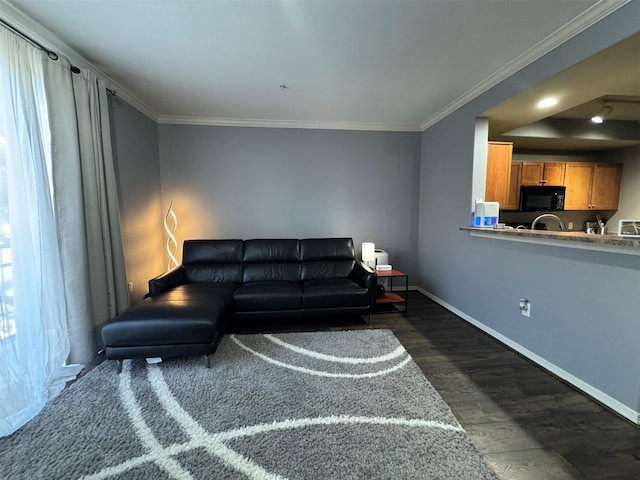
(365,276)
(166,281)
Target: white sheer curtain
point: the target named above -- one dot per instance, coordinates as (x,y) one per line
(61,258)
(34,344)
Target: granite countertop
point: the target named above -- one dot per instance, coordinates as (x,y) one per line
(610,242)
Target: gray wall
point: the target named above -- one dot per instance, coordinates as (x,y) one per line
(135,150)
(630,188)
(585,304)
(235,182)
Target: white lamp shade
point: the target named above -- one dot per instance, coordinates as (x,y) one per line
(368,252)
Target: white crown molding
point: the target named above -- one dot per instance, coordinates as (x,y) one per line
(266,123)
(30,27)
(580,23)
(131,99)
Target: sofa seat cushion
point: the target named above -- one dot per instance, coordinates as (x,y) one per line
(261,296)
(336,292)
(188,314)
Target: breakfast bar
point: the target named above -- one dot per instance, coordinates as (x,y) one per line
(612,243)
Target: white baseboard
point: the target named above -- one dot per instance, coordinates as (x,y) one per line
(590,390)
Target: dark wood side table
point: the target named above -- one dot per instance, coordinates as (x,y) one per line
(393,302)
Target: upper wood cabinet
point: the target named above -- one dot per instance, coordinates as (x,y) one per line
(543,173)
(513,196)
(531,173)
(498,172)
(605,190)
(592,186)
(578,182)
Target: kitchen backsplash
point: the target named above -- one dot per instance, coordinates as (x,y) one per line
(577,217)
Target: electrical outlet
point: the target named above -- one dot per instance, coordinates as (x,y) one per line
(525,307)
(130,285)
(570,226)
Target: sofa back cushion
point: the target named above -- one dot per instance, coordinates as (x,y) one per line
(327,258)
(212,261)
(267,260)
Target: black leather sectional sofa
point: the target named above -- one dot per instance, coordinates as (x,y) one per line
(189,308)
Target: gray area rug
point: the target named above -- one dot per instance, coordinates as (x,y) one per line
(319,405)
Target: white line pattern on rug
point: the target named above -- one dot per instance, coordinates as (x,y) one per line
(162,456)
(213,443)
(197,434)
(290,424)
(332,358)
(320,373)
(144,433)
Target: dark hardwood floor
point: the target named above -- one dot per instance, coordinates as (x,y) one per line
(526,422)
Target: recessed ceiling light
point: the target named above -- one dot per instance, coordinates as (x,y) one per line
(546,102)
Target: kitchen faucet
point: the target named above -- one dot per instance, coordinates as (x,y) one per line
(547,215)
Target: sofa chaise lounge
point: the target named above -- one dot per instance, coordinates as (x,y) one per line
(189,308)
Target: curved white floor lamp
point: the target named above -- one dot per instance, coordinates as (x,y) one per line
(172,244)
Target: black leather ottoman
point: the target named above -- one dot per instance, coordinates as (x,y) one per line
(187,320)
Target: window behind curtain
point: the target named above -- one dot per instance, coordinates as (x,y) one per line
(7,318)
(34,342)
(8,322)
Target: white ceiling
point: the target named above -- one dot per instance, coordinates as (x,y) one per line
(379,64)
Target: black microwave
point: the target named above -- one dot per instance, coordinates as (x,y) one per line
(541,198)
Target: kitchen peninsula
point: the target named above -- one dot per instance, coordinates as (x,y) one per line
(606,243)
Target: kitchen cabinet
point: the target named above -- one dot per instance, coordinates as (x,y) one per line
(543,173)
(605,191)
(498,172)
(531,173)
(592,186)
(513,196)
(589,186)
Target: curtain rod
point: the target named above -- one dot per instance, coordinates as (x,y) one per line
(52,55)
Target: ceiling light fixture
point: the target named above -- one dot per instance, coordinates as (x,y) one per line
(602,115)
(547,102)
